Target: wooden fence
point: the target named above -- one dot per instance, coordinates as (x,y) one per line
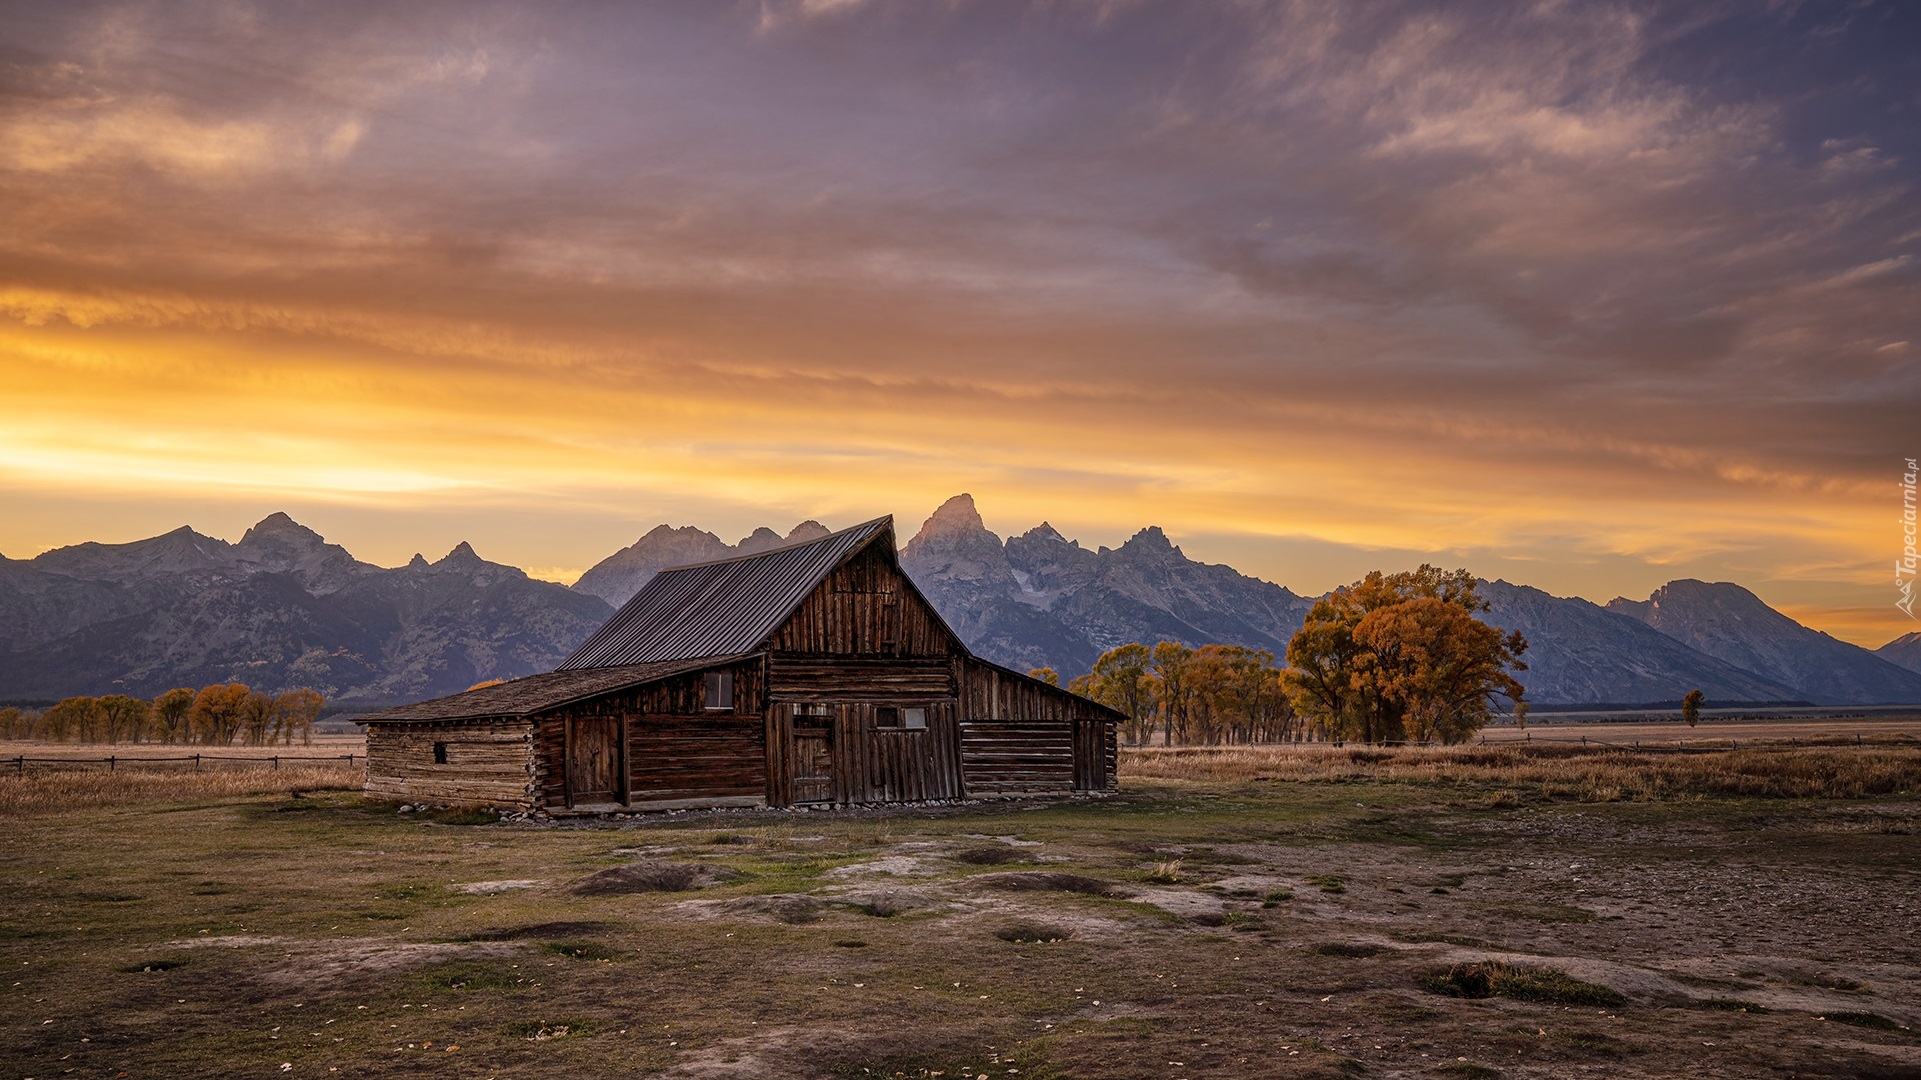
(20,765)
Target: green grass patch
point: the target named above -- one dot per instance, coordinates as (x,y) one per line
(1865,1020)
(142,967)
(1028,933)
(1730,1005)
(549,1030)
(581,950)
(1492,978)
(1352,950)
(476,976)
(1328,883)
(1591,1042)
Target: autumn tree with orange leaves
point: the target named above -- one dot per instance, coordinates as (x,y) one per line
(1403,656)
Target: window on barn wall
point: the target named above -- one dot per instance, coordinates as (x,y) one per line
(440,753)
(886,716)
(913,718)
(720,690)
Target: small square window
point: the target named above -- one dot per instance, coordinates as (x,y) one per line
(913,718)
(440,753)
(720,690)
(886,717)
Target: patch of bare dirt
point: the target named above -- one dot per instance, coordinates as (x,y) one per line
(652,876)
(1049,881)
(791,908)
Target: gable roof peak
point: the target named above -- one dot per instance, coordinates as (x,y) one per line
(724,606)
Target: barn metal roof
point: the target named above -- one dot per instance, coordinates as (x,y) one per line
(729,606)
(538,693)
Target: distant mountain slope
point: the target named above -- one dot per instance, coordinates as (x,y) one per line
(619,576)
(1904,651)
(280,609)
(1040,599)
(1581,653)
(1727,621)
(283,608)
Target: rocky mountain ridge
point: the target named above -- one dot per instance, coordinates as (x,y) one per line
(282,608)
(1582,653)
(1730,623)
(1904,651)
(1041,600)
(619,576)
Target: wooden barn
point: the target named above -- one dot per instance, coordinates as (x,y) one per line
(816,673)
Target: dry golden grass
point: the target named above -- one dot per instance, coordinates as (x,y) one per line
(1594,774)
(323,746)
(67,789)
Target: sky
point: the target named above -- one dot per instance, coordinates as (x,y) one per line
(1588,296)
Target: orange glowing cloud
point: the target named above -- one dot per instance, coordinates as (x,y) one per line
(1381,287)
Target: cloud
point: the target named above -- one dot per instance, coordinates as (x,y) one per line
(62,136)
(1490,277)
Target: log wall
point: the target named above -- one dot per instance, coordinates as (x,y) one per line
(489,763)
(1020,736)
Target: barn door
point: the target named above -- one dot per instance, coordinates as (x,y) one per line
(593,761)
(813,759)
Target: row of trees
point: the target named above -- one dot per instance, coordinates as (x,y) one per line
(1389,658)
(1212,695)
(216,715)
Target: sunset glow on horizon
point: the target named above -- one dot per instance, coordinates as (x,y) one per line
(1585,297)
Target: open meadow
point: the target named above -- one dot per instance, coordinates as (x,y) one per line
(1519,911)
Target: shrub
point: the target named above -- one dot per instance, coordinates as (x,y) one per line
(1492,978)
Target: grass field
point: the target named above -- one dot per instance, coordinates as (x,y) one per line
(1540,912)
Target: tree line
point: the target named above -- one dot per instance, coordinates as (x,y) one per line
(217,715)
(1390,658)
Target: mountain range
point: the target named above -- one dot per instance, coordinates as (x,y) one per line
(283,608)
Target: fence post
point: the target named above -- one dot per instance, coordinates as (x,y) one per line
(20,766)
(110,762)
(196,763)
(276,763)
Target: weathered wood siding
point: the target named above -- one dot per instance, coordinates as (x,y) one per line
(866,763)
(677,750)
(489,763)
(677,758)
(798,677)
(866,607)
(1020,736)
